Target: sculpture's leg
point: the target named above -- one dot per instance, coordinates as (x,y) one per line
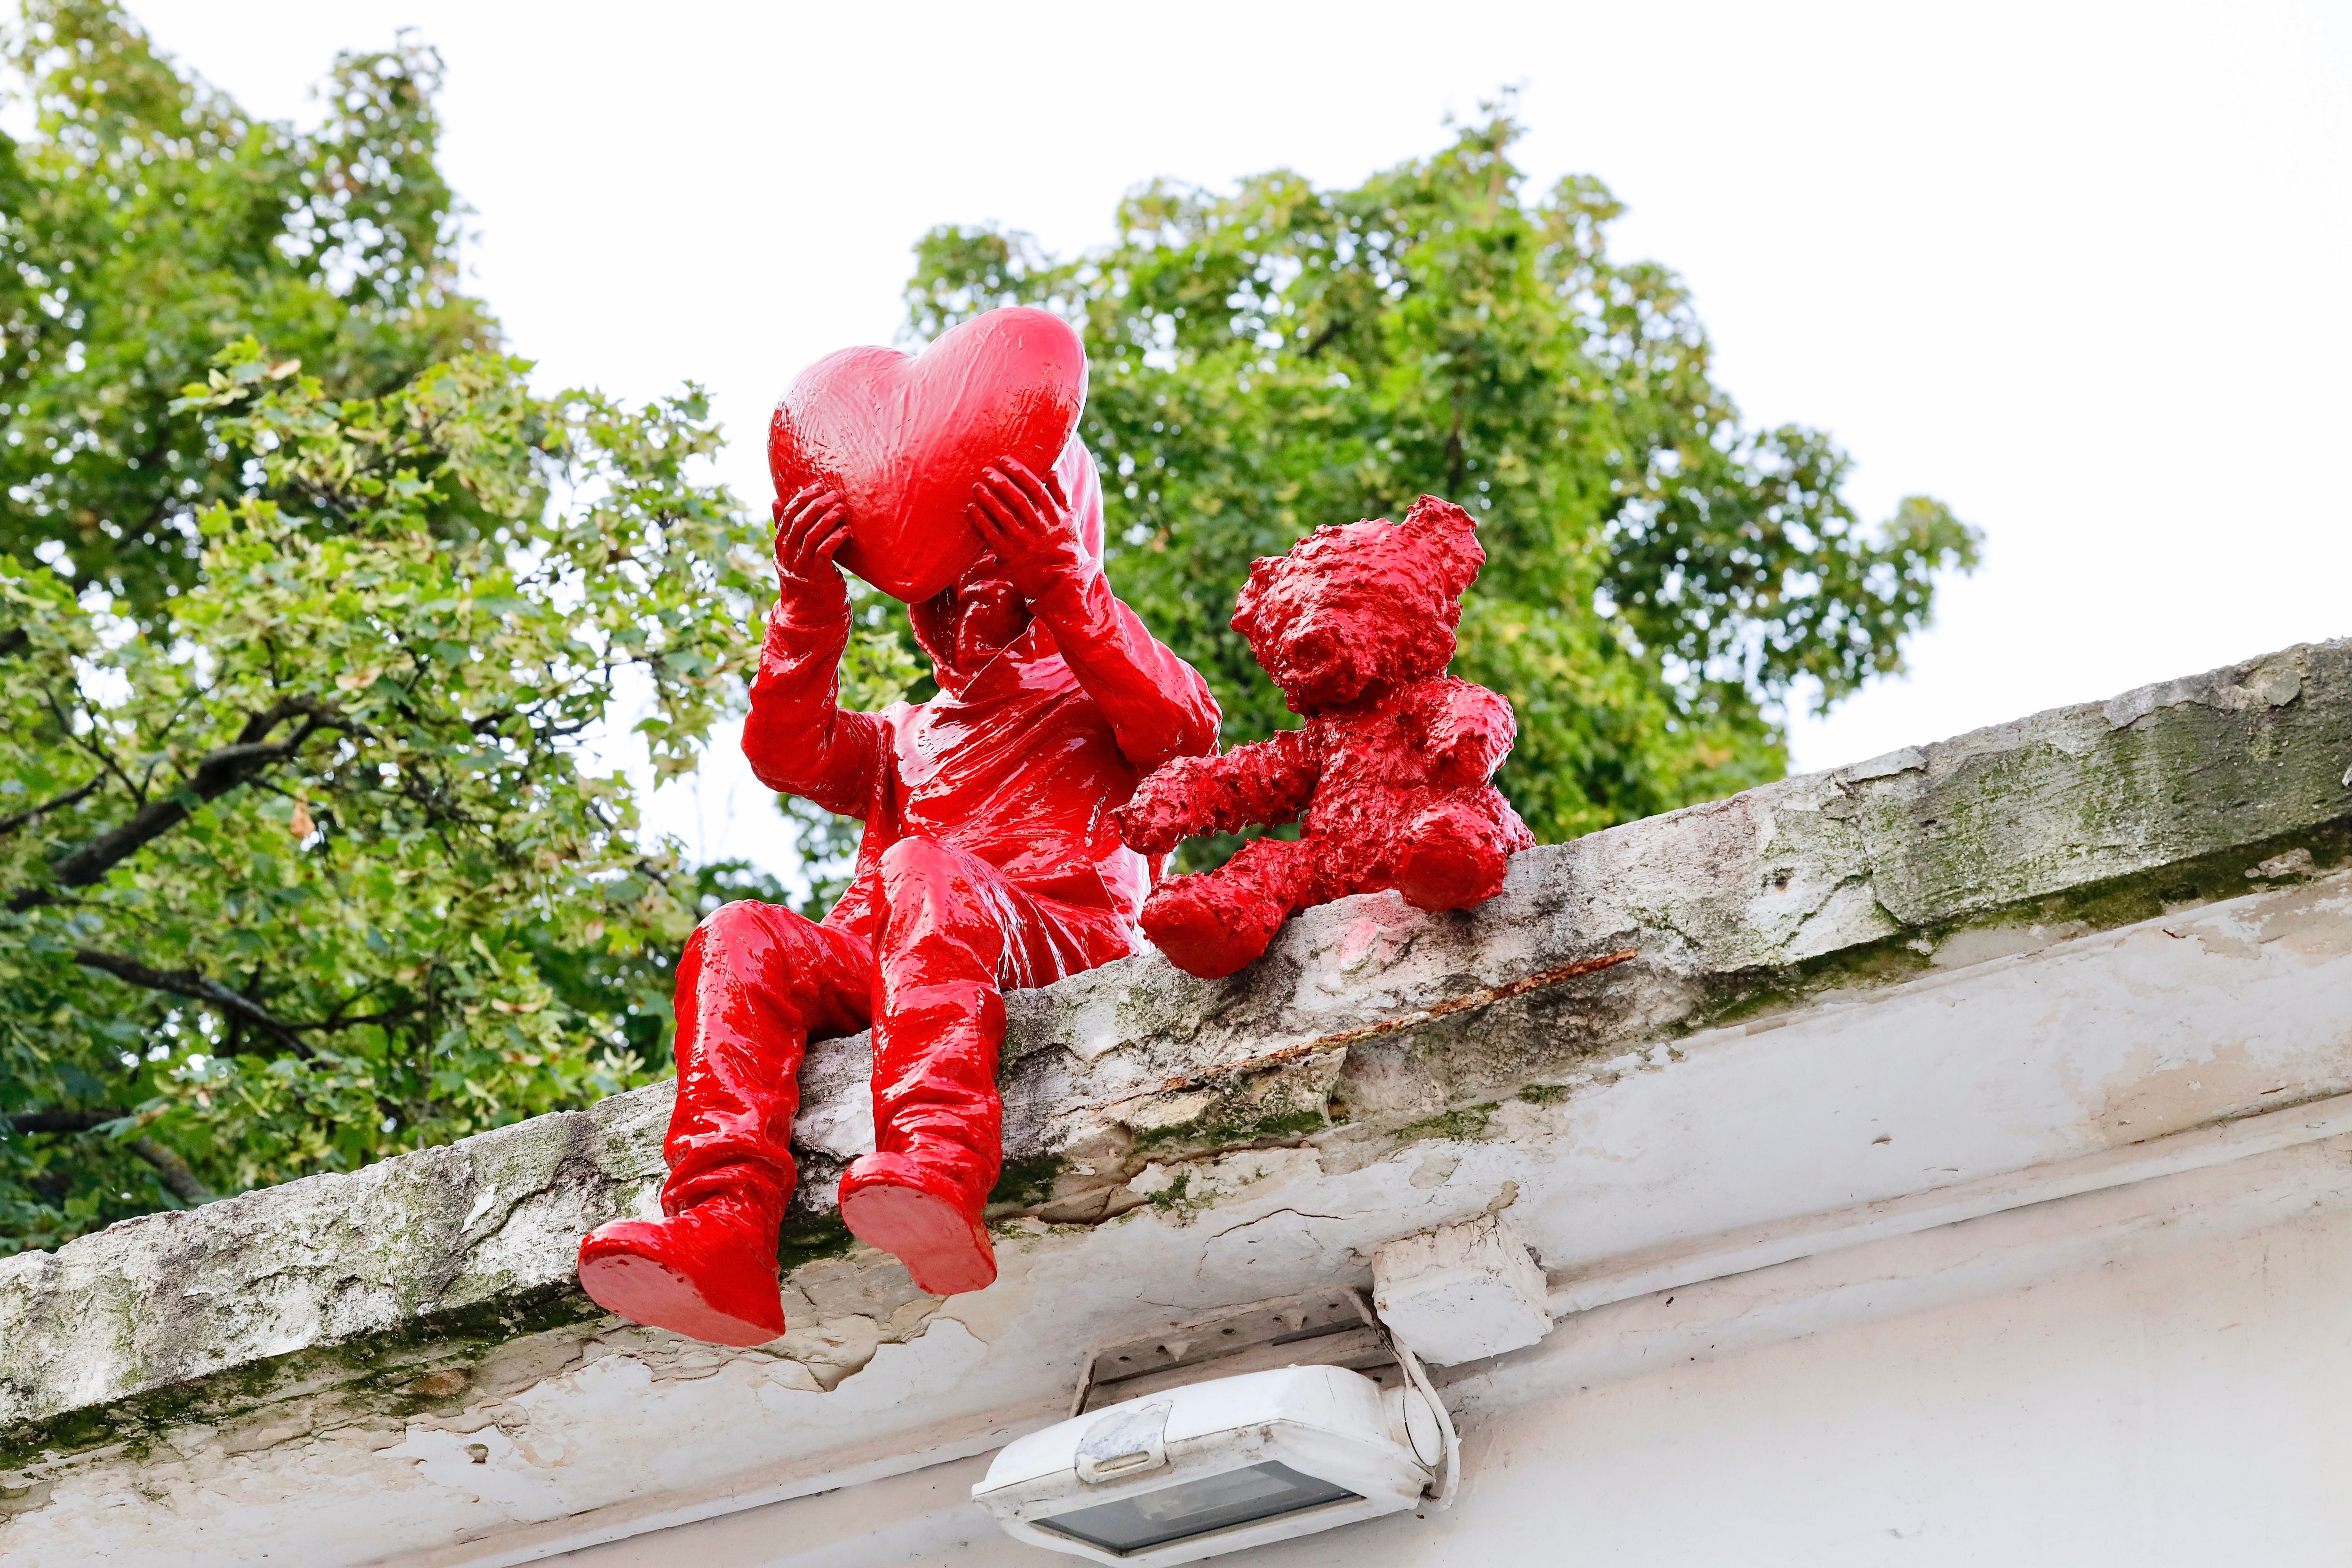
(1457,850)
(1213,924)
(953,930)
(752,984)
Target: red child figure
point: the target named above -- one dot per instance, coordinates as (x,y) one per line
(988,861)
(1356,626)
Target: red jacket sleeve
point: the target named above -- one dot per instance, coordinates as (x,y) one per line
(799,739)
(1157,705)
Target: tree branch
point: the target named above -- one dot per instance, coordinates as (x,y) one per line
(89,743)
(241,1008)
(196,987)
(215,775)
(10,824)
(63,1121)
(177,1173)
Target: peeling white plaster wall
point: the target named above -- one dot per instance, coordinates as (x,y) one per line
(2185,1408)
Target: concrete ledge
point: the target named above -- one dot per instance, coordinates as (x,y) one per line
(1789,927)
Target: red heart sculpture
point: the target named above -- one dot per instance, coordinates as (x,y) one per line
(902,438)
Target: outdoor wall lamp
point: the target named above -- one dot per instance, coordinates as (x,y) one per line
(1217,1466)
(1281,1418)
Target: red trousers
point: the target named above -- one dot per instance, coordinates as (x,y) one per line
(950,933)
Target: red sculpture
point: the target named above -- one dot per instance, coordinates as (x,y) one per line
(988,861)
(1391,768)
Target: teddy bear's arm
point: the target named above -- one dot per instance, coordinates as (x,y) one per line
(1470,729)
(1256,785)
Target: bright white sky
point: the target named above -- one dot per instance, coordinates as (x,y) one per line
(2084,272)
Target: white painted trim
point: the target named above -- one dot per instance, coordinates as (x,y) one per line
(1679,1263)
(563,1536)
(1898,1275)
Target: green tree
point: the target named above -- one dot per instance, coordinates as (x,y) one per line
(311,871)
(298,862)
(1660,580)
(149,224)
(307,605)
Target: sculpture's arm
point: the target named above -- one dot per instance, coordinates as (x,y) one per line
(799,739)
(1256,785)
(1468,728)
(1159,707)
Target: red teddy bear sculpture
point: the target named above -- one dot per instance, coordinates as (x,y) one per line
(1391,768)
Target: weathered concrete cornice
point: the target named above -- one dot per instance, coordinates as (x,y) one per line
(410,1288)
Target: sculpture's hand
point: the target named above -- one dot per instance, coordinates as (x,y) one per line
(1025,522)
(812,526)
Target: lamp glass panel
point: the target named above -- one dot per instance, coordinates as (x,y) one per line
(1196,1507)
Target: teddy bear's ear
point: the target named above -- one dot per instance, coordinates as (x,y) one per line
(1450,536)
(1261,578)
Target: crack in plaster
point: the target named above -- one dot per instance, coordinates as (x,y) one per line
(1273,1213)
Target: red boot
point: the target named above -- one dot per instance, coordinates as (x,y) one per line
(752,981)
(938,1019)
(954,927)
(939,1126)
(923,1216)
(708,1273)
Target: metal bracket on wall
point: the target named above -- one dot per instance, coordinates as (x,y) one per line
(1322,1328)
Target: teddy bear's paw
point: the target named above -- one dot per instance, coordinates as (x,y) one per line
(1454,859)
(1207,930)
